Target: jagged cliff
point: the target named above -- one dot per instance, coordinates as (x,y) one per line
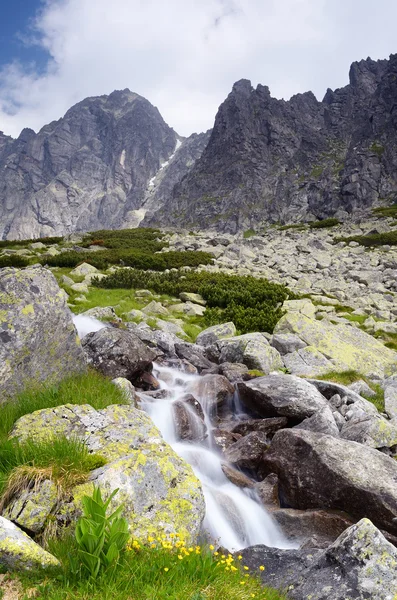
(96,167)
(272,160)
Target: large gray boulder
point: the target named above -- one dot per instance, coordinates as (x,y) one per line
(117,353)
(280,395)
(361,565)
(251,349)
(38,341)
(321,471)
(19,552)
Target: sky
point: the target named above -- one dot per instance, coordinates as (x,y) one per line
(182,55)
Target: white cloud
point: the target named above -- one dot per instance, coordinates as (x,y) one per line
(184,55)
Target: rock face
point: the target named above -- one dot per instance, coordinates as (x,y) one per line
(159,490)
(117,353)
(268,159)
(360,564)
(94,168)
(18,551)
(320,471)
(38,341)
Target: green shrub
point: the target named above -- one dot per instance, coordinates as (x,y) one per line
(297,226)
(371,240)
(386,211)
(252,304)
(332,222)
(13,260)
(43,240)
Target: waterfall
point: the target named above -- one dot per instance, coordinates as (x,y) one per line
(234,518)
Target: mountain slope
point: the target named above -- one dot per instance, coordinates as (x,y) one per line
(272,160)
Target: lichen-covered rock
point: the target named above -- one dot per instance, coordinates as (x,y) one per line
(128,390)
(233,348)
(194,298)
(360,565)
(19,552)
(371,430)
(307,362)
(117,353)
(158,489)
(320,471)
(280,395)
(348,347)
(32,508)
(217,332)
(103,313)
(286,343)
(38,341)
(84,269)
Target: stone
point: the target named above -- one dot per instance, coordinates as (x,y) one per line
(194,354)
(143,293)
(359,564)
(158,489)
(233,371)
(80,288)
(232,349)
(371,430)
(194,298)
(39,343)
(37,246)
(267,491)
(102,313)
(349,348)
(155,308)
(321,471)
(247,452)
(362,388)
(215,392)
(19,552)
(304,307)
(237,477)
(31,509)
(217,332)
(117,353)
(83,270)
(280,395)
(322,421)
(391,398)
(286,343)
(307,362)
(128,390)
(251,349)
(224,438)
(67,280)
(189,424)
(267,426)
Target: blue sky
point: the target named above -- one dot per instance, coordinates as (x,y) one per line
(182,55)
(16,17)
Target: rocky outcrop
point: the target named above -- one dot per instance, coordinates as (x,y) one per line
(360,564)
(95,168)
(19,552)
(272,160)
(38,341)
(320,471)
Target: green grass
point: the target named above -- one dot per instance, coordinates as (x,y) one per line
(146,573)
(371,240)
(349,377)
(89,388)
(332,222)
(389,339)
(122,300)
(67,462)
(386,211)
(44,240)
(296,226)
(355,318)
(248,233)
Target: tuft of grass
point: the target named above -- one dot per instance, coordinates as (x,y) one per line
(155,572)
(386,211)
(248,233)
(192,330)
(332,222)
(371,240)
(296,226)
(349,377)
(88,388)
(255,373)
(66,462)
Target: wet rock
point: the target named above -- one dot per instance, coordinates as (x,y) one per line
(320,471)
(233,371)
(117,353)
(217,332)
(38,340)
(281,395)
(194,354)
(224,438)
(189,424)
(20,552)
(267,491)
(248,452)
(237,477)
(215,392)
(267,426)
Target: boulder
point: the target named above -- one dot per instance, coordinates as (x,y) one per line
(307,362)
(267,491)
(348,347)
(38,341)
(80,288)
(332,391)
(233,371)
(286,343)
(247,453)
(128,390)
(117,353)
(322,421)
(237,477)
(371,430)
(83,270)
(194,298)
(194,354)
(360,564)
(280,395)
(213,391)
(391,397)
(19,552)
(31,509)
(158,489)
(102,313)
(321,471)
(267,426)
(217,332)
(251,349)
(189,425)
(155,308)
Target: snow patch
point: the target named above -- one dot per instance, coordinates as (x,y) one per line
(122,158)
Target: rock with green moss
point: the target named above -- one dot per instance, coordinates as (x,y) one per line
(38,341)
(217,332)
(349,348)
(159,490)
(31,509)
(251,349)
(19,552)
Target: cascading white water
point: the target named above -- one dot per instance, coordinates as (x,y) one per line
(234,518)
